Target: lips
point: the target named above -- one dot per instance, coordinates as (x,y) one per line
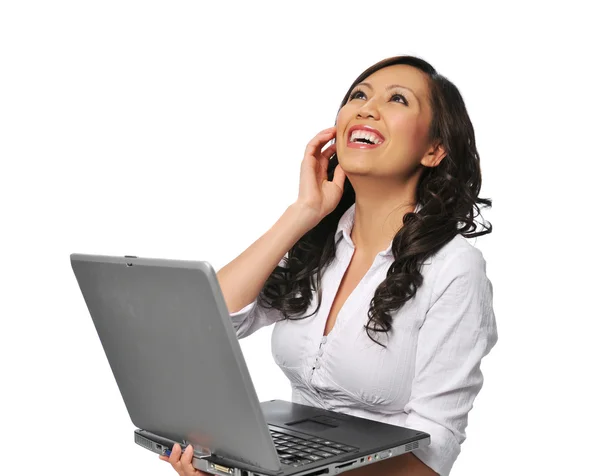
(363,145)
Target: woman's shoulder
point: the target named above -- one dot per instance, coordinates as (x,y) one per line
(460,254)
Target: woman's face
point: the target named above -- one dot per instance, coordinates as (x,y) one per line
(390,108)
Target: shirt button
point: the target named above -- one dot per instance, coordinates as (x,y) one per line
(318,365)
(324,339)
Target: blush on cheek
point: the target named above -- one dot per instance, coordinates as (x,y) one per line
(341,122)
(421,131)
(412,133)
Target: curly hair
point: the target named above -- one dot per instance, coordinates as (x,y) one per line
(448,194)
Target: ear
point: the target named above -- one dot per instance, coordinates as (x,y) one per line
(434,155)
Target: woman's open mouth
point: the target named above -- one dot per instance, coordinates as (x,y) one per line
(364,138)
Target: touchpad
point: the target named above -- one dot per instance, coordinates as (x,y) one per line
(312,424)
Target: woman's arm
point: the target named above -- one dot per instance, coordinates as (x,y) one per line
(458,331)
(243,278)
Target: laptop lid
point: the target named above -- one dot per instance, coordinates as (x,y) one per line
(164,328)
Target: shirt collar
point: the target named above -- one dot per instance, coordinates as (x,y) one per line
(346,223)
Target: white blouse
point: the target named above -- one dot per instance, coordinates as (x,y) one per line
(429,375)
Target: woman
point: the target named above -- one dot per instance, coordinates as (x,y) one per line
(404,311)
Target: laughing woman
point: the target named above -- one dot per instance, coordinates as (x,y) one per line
(382,308)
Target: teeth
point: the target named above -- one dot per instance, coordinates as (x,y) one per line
(362,134)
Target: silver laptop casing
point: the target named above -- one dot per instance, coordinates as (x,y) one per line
(167,334)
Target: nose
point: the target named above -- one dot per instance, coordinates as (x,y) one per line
(368,109)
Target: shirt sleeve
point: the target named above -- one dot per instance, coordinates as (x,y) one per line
(252,317)
(459,329)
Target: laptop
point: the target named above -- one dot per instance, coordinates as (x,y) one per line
(168,337)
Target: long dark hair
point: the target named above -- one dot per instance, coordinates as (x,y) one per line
(448,194)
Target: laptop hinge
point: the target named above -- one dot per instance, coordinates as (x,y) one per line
(199,451)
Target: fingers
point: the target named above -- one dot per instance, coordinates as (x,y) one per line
(186,461)
(319,141)
(329,129)
(339,177)
(175,454)
(174,459)
(327,153)
(315,192)
(323,161)
(182,462)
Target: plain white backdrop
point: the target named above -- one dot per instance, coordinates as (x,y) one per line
(177,129)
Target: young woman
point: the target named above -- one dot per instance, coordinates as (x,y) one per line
(382,308)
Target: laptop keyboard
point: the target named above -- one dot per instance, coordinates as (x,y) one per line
(296,451)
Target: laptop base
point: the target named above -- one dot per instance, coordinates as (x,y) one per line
(202,458)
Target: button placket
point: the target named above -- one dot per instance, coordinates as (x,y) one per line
(317,364)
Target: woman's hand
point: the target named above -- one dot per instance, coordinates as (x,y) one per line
(316,193)
(183,464)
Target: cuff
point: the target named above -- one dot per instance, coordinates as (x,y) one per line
(240,320)
(443,450)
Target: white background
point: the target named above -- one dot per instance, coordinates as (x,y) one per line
(176,130)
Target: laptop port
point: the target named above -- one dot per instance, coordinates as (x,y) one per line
(345,464)
(314,473)
(221,468)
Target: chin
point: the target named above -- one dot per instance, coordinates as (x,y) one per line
(356,168)
(357,157)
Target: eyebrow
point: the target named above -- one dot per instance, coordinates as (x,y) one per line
(391,86)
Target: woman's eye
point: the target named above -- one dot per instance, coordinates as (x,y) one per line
(359,95)
(397,95)
(355,94)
